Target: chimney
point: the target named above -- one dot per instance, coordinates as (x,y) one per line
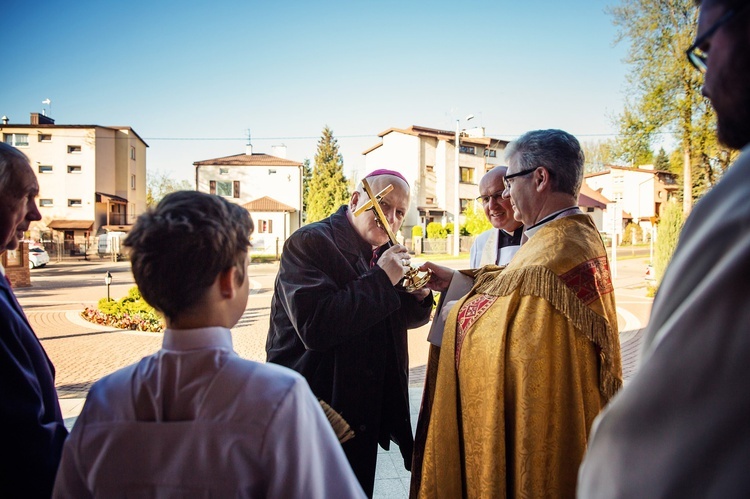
(40,119)
(279,151)
(249,149)
(5,120)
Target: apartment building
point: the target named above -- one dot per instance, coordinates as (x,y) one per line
(427,158)
(269,186)
(92,179)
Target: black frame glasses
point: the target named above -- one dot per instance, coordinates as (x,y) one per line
(699,58)
(496,197)
(518,174)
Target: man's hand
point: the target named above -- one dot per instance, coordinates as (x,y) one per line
(441,276)
(421,293)
(395,261)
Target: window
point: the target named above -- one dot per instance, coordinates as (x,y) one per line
(271,171)
(45,168)
(224,189)
(45,203)
(429,168)
(467,149)
(464,204)
(74,203)
(132,152)
(16,139)
(132,182)
(467,175)
(490,153)
(74,149)
(74,169)
(429,200)
(45,137)
(223,171)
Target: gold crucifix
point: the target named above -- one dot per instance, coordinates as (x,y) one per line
(414,278)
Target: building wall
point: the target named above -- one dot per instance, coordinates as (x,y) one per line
(79,174)
(282,183)
(271,231)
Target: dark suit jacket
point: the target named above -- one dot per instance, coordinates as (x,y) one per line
(342,325)
(32,424)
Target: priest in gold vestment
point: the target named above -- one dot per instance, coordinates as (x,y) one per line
(531,354)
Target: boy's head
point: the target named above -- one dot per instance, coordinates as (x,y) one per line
(178,249)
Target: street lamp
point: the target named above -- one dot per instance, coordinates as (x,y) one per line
(108,281)
(456,197)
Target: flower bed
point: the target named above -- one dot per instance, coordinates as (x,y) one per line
(131,312)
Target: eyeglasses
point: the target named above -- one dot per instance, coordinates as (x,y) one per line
(519,174)
(699,57)
(496,197)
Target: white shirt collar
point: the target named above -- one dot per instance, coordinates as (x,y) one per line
(574,210)
(195,339)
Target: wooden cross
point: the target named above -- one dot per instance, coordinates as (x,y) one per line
(374,204)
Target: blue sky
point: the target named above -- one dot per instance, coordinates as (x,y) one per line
(186,74)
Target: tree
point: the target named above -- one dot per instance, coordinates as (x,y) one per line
(476,221)
(598,154)
(668,232)
(665,95)
(327,188)
(661,162)
(159,184)
(306,177)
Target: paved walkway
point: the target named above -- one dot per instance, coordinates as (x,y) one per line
(83,352)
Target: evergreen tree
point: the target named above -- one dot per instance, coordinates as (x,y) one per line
(327,187)
(661,163)
(668,232)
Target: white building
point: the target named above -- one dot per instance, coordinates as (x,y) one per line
(640,193)
(270,187)
(426,157)
(92,178)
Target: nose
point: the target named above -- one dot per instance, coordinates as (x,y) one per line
(506,193)
(32,213)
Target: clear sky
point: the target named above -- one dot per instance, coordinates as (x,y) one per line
(186,75)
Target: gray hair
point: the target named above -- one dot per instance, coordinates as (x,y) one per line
(12,161)
(558,151)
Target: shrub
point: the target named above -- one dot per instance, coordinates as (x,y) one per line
(476,221)
(417,231)
(435,230)
(130,312)
(667,235)
(627,234)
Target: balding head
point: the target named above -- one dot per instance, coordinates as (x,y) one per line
(394,206)
(18,188)
(498,210)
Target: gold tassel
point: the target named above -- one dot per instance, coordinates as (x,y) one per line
(340,427)
(539,281)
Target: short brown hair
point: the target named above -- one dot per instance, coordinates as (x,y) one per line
(179,248)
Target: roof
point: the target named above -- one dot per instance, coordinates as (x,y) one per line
(71,224)
(255,159)
(590,198)
(48,125)
(111,197)
(266,204)
(447,135)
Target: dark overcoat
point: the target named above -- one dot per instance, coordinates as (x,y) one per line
(29,410)
(342,325)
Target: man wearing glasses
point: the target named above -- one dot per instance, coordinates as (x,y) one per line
(496,246)
(531,354)
(680,428)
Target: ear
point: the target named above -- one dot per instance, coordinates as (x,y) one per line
(227,283)
(542,179)
(354,201)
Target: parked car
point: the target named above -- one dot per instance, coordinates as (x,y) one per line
(38,257)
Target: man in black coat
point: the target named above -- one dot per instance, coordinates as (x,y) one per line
(339,318)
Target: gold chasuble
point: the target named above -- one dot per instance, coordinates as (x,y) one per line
(529,358)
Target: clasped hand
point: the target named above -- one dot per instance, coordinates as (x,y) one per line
(395,261)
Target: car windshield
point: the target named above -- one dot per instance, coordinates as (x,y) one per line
(36,250)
